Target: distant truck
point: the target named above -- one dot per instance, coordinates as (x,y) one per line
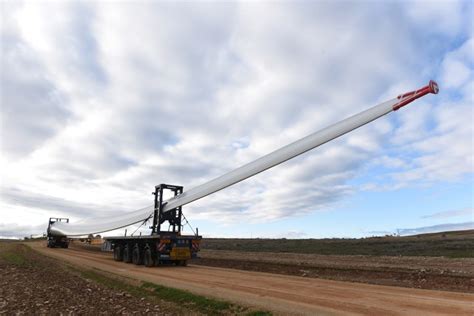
(161,246)
(56,241)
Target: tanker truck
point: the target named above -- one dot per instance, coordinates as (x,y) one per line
(170,246)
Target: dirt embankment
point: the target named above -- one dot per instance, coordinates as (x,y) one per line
(436,273)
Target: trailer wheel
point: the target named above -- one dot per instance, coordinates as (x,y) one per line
(136,255)
(127,256)
(148,258)
(118,255)
(181,263)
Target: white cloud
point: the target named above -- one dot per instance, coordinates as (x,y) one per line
(452,213)
(455,73)
(457,66)
(435,228)
(444,17)
(132,95)
(33,109)
(434,141)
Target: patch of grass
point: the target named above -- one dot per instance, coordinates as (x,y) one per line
(14,258)
(190,300)
(259,313)
(14,253)
(181,298)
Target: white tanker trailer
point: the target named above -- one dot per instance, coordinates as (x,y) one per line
(163,246)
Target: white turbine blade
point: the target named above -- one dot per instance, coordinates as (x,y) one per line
(268,161)
(281,155)
(101,224)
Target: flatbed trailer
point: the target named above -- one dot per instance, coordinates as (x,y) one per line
(155,250)
(161,247)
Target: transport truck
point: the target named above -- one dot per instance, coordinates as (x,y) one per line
(171,246)
(168,246)
(54,241)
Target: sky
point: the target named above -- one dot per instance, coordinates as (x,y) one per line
(101,101)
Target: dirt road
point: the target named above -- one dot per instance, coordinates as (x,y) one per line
(280,293)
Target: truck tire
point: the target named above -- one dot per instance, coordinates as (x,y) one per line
(148,258)
(118,255)
(136,256)
(127,254)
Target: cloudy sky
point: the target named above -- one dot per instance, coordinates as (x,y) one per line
(100,101)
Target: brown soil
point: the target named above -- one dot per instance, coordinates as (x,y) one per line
(32,284)
(281,293)
(436,273)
